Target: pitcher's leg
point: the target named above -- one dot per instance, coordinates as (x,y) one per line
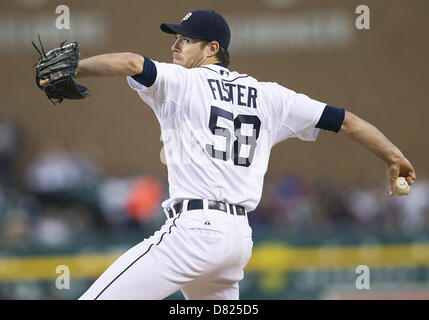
(223,282)
(146,271)
(217,290)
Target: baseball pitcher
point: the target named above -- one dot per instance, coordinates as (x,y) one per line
(218,128)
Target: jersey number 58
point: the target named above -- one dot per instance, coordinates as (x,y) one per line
(240,138)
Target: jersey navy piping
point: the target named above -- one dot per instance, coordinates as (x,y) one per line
(244,76)
(162,236)
(210,69)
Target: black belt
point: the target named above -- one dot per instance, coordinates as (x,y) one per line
(197,204)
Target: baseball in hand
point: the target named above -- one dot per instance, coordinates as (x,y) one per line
(402,187)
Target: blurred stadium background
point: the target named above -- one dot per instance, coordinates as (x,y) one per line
(82,181)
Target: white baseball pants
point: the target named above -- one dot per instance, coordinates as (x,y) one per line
(200,252)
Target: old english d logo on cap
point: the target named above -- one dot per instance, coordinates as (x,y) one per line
(187,16)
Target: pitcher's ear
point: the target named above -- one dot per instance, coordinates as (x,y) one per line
(213,48)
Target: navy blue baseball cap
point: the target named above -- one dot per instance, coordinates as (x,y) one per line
(202,24)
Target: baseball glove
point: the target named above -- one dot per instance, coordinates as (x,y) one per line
(59,66)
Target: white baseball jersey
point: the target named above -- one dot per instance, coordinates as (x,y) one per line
(218,128)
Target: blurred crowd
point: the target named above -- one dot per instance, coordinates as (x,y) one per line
(291,204)
(62,196)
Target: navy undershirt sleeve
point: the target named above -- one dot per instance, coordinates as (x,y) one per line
(332,119)
(148,75)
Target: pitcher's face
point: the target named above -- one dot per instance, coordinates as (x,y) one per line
(188,52)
